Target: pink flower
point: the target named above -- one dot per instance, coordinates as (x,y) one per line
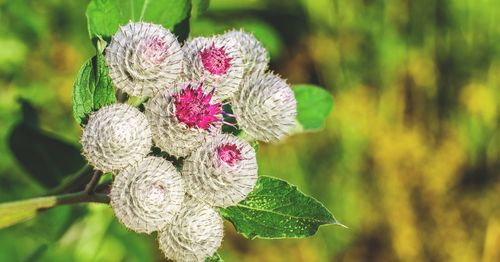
(215,60)
(182,118)
(194,108)
(229,154)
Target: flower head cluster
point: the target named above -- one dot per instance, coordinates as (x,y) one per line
(189,88)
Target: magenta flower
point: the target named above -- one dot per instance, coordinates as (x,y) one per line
(182,118)
(216,61)
(229,154)
(193,108)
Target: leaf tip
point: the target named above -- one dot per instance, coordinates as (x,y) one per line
(342,225)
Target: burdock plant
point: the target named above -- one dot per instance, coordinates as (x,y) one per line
(154,110)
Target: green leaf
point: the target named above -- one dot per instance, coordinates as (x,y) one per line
(46,158)
(313,105)
(199,7)
(276,209)
(92,89)
(215,258)
(105,16)
(256,146)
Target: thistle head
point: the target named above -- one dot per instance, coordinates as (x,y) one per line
(146,196)
(216,61)
(265,107)
(222,172)
(255,56)
(143,58)
(182,118)
(116,136)
(194,235)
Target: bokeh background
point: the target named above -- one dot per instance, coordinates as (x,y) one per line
(409,158)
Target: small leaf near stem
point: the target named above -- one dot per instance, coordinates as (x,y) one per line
(101,44)
(215,258)
(93,88)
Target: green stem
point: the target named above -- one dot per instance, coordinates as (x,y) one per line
(74,183)
(17,211)
(90,187)
(52,201)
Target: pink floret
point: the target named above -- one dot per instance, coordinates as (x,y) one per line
(229,154)
(215,60)
(194,109)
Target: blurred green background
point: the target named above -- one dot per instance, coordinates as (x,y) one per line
(409,158)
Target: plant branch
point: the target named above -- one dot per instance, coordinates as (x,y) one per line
(90,187)
(52,201)
(73,183)
(103,188)
(18,211)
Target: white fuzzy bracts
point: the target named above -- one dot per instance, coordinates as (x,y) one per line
(255,56)
(145,197)
(116,136)
(143,58)
(195,234)
(265,107)
(222,172)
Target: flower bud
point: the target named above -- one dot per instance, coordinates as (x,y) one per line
(143,58)
(265,107)
(222,172)
(146,196)
(116,136)
(195,234)
(255,56)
